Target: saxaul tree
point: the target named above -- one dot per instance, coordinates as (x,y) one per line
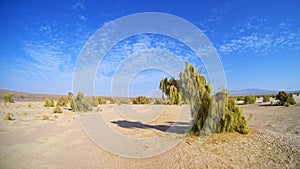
(211,113)
(171,89)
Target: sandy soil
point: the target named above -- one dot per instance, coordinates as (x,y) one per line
(60,142)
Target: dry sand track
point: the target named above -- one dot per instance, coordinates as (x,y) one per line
(30,142)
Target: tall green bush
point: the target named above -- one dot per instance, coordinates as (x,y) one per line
(82,103)
(285,99)
(210,113)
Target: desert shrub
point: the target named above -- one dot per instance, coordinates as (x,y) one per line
(82,103)
(22,97)
(8,98)
(29,105)
(266,98)
(48,102)
(141,100)
(171,89)
(232,118)
(57,109)
(101,100)
(9,116)
(62,101)
(240,98)
(249,99)
(207,109)
(45,117)
(70,97)
(72,104)
(285,99)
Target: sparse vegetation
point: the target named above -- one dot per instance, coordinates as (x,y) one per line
(82,103)
(285,99)
(45,117)
(9,116)
(249,99)
(29,105)
(22,97)
(8,98)
(48,102)
(141,100)
(57,109)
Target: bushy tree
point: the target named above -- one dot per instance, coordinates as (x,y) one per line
(210,113)
(141,100)
(285,99)
(171,89)
(8,98)
(82,103)
(249,99)
(232,118)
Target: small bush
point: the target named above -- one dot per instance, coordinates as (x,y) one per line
(9,116)
(57,109)
(29,105)
(62,101)
(141,100)
(8,98)
(266,98)
(48,102)
(249,99)
(45,117)
(82,103)
(22,97)
(285,99)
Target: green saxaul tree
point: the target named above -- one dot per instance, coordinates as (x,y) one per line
(210,113)
(171,89)
(196,92)
(285,99)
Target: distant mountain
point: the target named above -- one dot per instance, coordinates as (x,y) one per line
(252,92)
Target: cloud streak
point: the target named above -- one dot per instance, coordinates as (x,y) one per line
(256,36)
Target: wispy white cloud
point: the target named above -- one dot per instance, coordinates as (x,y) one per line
(78,4)
(256,35)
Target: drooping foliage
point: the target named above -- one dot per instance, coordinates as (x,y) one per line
(211,113)
(171,89)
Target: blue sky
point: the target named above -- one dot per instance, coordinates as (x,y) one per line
(258,42)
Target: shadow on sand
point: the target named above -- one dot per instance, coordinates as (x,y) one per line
(174,127)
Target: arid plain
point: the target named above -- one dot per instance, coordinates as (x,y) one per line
(31,141)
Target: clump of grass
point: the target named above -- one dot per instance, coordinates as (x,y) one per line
(45,117)
(57,109)
(9,116)
(29,105)
(8,98)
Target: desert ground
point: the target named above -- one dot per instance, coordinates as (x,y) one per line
(29,141)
